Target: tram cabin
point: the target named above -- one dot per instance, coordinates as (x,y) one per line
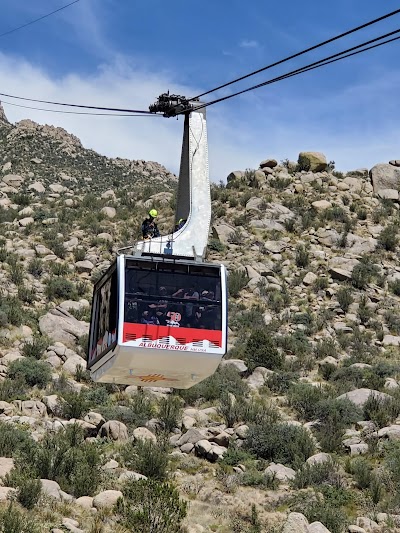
(158,321)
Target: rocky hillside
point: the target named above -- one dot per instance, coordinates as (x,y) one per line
(299,429)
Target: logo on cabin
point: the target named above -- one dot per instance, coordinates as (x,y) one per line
(152,378)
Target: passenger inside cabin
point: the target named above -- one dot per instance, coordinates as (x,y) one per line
(149,318)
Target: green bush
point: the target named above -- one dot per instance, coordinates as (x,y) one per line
(11,312)
(60,288)
(315,474)
(35,267)
(135,413)
(345,298)
(363,273)
(361,470)
(331,516)
(169,412)
(225,379)
(325,348)
(26,294)
(230,410)
(149,505)
(237,280)
(260,350)
(334,416)
(302,256)
(13,520)
(12,389)
(28,489)
(64,457)
(75,405)
(12,439)
(395,287)
(280,382)
(31,371)
(36,347)
(147,458)
(235,455)
(16,272)
(388,238)
(280,443)
(382,411)
(304,399)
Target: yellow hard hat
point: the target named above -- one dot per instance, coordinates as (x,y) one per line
(153,213)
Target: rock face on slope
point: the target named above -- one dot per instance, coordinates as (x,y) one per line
(312,161)
(385,177)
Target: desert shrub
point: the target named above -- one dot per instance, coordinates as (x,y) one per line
(16,271)
(65,457)
(315,474)
(325,348)
(333,518)
(147,458)
(169,412)
(59,269)
(295,343)
(12,389)
(75,405)
(280,443)
(225,379)
(363,273)
(395,287)
(302,256)
(388,238)
(35,267)
(21,198)
(26,294)
(149,505)
(280,382)
(135,413)
(230,409)
(14,520)
(216,246)
(361,213)
(334,416)
(60,288)
(361,470)
(237,280)
(321,283)
(235,455)
(392,463)
(260,350)
(28,489)
(31,371)
(345,298)
(381,411)
(36,347)
(259,411)
(304,399)
(79,254)
(12,308)
(12,439)
(364,312)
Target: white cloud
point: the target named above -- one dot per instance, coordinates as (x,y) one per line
(246,43)
(355,127)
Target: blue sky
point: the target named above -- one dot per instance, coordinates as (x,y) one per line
(124,53)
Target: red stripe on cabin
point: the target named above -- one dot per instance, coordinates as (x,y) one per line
(182,335)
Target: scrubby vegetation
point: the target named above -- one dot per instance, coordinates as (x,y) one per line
(313,317)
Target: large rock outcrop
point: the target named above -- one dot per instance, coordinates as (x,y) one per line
(61,326)
(385,176)
(312,161)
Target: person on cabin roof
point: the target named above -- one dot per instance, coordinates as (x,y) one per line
(180,224)
(149,226)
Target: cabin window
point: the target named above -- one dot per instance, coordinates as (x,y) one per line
(175,295)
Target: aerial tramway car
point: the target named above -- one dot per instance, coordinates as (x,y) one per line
(159,314)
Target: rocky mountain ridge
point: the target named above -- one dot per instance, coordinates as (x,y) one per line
(299,429)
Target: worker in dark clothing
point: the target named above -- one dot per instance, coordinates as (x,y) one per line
(149,226)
